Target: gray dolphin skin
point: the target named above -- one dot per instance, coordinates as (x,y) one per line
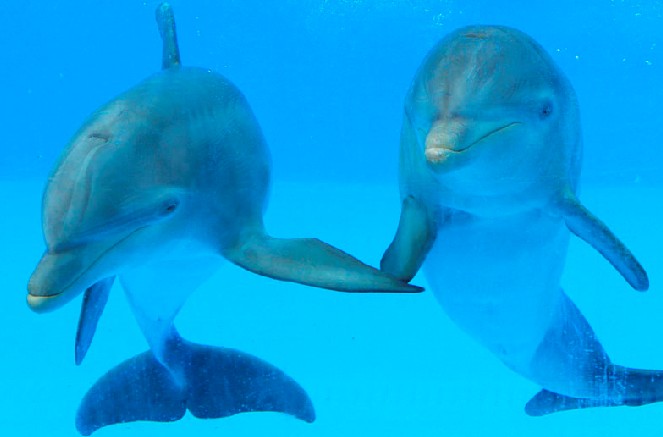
(156,188)
(490,157)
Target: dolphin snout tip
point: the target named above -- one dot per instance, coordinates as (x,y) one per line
(42,304)
(437,155)
(40,300)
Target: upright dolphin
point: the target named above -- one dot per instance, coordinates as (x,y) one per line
(156,188)
(489,162)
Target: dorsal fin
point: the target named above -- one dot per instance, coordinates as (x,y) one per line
(166,23)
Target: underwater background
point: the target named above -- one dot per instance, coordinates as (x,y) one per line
(326,80)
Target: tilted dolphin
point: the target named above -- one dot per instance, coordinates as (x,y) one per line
(155,188)
(489,162)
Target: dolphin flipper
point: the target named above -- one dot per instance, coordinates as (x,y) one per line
(588,227)
(312,262)
(218,382)
(94,301)
(414,237)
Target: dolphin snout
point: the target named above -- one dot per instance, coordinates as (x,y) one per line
(52,283)
(443,140)
(448,138)
(43,304)
(436,155)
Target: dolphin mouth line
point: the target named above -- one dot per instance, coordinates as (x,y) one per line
(483,137)
(434,153)
(94,263)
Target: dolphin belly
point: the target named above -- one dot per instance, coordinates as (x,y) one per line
(498,280)
(157,291)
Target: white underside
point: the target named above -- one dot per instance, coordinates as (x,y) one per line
(498,279)
(157,289)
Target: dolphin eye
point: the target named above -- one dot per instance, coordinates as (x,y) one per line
(100,136)
(170,206)
(546,109)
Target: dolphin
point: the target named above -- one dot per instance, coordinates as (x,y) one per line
(155,189)
(490,156)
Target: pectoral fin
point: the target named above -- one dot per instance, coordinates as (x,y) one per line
(585,225)
(414,237)
(312,262)
(94,301)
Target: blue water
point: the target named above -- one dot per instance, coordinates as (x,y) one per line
(326,80)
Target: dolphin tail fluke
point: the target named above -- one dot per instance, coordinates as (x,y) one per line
(546,402)
(625,387)
(312,262)
(216,382)
(222,382)
(138,389)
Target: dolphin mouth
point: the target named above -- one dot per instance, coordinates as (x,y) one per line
(438,153)
(45,277)
(44,292)
(42,304)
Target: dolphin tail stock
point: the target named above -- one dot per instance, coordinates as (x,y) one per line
(590,228)
(210,382)
(310,261)
(637,387)
(571,359)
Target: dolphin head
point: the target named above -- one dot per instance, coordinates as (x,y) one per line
(108,196)
(100,242)
(493,115)
(163,170)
